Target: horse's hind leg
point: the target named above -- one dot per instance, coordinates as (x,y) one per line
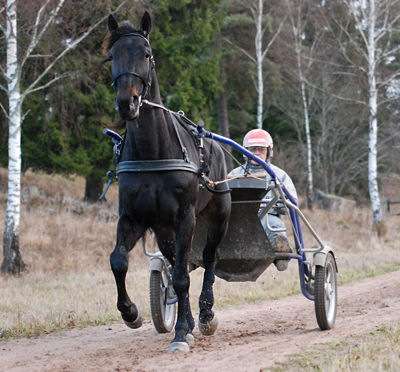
(128,234)
(217,227)
(208,322)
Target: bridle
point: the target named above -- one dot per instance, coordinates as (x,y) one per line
(146,82)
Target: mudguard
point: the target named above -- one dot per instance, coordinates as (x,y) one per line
(320,257)
(156,264)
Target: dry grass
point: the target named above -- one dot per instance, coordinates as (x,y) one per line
(69,282)
(373,351)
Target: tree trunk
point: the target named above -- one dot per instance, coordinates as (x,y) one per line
(94,187)
(297,39)
(13,263)
(373,122)
(310,190)
(223,122)
(259,58)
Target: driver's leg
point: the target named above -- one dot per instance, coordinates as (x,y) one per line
(278,240)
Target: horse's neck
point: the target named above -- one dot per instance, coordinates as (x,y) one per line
(152,136)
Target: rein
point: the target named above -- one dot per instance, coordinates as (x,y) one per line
(139,166)
(165,164)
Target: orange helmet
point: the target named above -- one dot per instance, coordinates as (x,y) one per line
(258,137)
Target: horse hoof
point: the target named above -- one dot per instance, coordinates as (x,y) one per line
(179,347)
(208,329)
(137,323)
(190,339)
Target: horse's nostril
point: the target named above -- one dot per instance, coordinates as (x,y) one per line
(132,103)
(127,106)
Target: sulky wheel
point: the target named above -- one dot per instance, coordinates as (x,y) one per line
(325,294)
(162,313)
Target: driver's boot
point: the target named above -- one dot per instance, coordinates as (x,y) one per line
(282,245)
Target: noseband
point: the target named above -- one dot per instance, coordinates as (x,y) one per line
(146,82)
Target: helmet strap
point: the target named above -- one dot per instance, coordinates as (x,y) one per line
(269,153)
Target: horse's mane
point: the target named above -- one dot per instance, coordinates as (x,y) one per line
(125,28)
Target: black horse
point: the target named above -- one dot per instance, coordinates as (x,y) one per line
(160,168)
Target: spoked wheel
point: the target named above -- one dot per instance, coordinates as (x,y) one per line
(161,292)
(325,294)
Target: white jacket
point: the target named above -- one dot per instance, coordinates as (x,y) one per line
(282,175)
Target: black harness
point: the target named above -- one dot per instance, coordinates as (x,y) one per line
(163,165)
(138,166)
(146,81)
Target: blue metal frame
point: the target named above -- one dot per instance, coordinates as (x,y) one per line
(117,139)
(300,256)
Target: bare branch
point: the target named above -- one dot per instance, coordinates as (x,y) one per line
(353,43)
(351,6)
(40,56)
(32,88)
(25,115)
(3,72)
(3,88)
(266,26)
(35,37)
(390,52)
(5,112)
(59,77)
(388,80)
(388,100)
(334,95)
(242,50)
(1,26)
(273,39)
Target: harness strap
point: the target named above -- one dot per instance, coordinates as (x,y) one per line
(184,151)
(156,166)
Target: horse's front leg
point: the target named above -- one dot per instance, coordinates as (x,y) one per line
(128,234)
(181,282)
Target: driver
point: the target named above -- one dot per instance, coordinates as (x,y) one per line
(259,142)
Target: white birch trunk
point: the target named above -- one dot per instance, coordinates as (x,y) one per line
(12,262)
(373,122)
(12,259)
(259,62)
(260,54)
(297,35)
(310,189)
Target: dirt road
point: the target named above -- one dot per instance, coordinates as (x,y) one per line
(249,337)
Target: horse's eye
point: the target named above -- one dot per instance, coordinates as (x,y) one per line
(110,58)
(147,56)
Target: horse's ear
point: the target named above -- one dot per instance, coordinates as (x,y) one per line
(145,24)
(112,23)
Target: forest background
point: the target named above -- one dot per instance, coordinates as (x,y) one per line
(314,85)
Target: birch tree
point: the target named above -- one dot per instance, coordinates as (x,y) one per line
(262,22)
(367,39)
(300,12)
(48,14)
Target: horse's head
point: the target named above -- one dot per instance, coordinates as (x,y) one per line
(132,61)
